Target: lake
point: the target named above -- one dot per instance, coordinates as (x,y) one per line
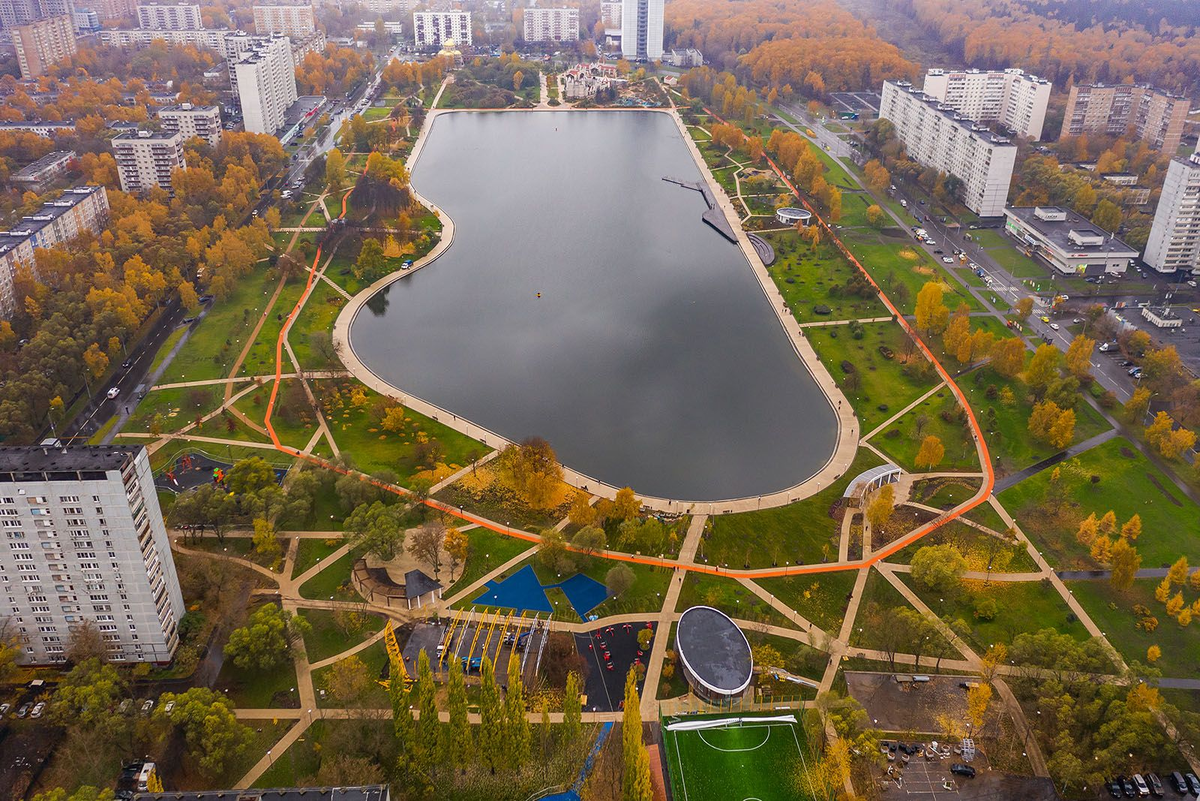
(583,300)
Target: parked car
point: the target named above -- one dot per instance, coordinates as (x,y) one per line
(1114,788)
(1127,787)
(947,260)
(1177,782)
(38,709)
(1045,319)
(1077,321)
(959,769)
(24,710)
(1193,784)
(147,705)
(170,705)
(1156,785)
(4,709)
(1140,785)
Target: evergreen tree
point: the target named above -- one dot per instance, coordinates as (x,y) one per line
(635,785)
(572,710)
(491,714)
(514,714)
(428,725)
(458,734)
(544,729)
(402,723)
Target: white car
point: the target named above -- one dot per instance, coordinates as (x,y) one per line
(38,709)
(947,260)
(147,705)
(114,392)
(1053,326)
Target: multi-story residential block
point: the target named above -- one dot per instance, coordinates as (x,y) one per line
(937,136)
(169,17)
(189,121)
(552,24)
(386,6)
(86,21)
(43,42)
(266,83)
(22,12)
(315,42)
(207,39)
(85,545)
(1174,243)
(435,28)
(1154,117)
(43,128)
(146,159)
(610,13)
(39,174)
(113,9)
(290,19)
(642,30)
(1010,97)
(80,209)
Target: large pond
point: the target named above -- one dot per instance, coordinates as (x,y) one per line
(584,300)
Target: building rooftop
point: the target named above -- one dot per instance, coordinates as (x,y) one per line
(188,107)
(48,213)
(417,584)
(30,171)
(371,792)
(140,135)
(56,459)
(1070,232)
(981,132)
(714,649)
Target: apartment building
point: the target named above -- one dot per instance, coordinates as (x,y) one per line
(1174,243)
(169,17)
(43,42)
(146,159)
(266,83)
(290,19)
(1154,117)
(79,209)
(315,42)
(41,173)
(937,136)
(113,9)
(434,28)
(552,24)
(610,14)
(206,38)
(377,7)
(85,544)
(189,121)
(22,12)
(642,30)
(1010,97)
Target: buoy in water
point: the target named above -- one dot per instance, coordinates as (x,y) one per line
(539,294)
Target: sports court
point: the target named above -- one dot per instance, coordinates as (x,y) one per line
(735,758)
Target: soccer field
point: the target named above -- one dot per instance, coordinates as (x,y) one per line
(750,760)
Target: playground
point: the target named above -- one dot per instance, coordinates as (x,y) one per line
(523,592)
(722,758)
(608,654)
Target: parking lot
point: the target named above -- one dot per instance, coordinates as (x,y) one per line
(923,779)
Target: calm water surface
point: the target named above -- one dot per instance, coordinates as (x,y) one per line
(651,359)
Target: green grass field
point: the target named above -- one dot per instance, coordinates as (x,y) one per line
(752,760)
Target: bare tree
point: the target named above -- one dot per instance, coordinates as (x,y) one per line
(426,544)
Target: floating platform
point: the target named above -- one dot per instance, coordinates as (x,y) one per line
(714,216)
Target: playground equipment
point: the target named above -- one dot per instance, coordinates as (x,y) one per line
(395,658)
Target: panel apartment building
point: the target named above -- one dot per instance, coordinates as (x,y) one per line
(434,28)
(266,83)
(937,136)
(1010,97)
(77,210)
(290,19)
(85,543)
(1154,117)
(1174,243)
(552,24)
(42,43)
(145,159)
(190,121)
(642,30)
(169,17)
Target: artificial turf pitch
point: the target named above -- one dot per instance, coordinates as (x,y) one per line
(735,762)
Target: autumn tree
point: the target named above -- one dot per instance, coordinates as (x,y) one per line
(939,567)
(1079,356)
(1137,405)
(1008,356)
(635,781)
(881,506)
(932,315)
(1124,562)
(1023,308)
(1043,368)
(377,529)
(335,170)
(532,471)
(931,453)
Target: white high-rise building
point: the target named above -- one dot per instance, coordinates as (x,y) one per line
(1010,97)
(266,83)
(552,24)
(169,17)
(290,19)
(434,28)
(190,121)
(85,545)
(1174,243)
(642,30)
(146,159)
(937,136)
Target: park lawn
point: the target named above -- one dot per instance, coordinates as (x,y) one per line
(259,689)
(217,340)
(808,279)
(1017,263)
(1112,611)
(229,454)
(317,316)
(311,551)
(974,545)
(854,209)
(300,761)
(985,515)
(373,449)
(486,551)
(315,218)
(729,596)
(170,342)
(331,578)
(876,386)
(376,113)
(803,532)
(260,359)
(901,442)
(1014,448)
(880,592)
(650,584)
(1129,484)
(799,658)
(1023,607)
(821,598)
(254,406)
(375,658)
(944,493)
(175,408)
(241,547)
(327,638)
(900,277)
